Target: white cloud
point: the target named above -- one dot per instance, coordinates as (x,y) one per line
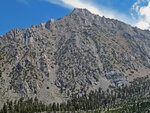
(58,2)
(142,24)
(81,4)
(77,4)
(145,11)
(93,7)
(141,13)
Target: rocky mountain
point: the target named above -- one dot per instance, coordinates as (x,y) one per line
(74,54)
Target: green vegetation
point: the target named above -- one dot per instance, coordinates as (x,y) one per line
(134,98)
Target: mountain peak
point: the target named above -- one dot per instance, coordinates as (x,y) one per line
(77,18)
(81,11)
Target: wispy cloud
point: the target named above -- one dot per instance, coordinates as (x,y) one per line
(141,13)
(93,7)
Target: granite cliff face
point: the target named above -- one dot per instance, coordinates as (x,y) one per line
(74,54)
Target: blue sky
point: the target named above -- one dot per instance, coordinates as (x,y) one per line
(24,13)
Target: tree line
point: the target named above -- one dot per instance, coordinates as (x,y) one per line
(127,98)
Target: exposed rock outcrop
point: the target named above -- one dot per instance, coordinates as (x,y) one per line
(74,54)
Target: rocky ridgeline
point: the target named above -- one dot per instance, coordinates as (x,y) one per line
(74,54)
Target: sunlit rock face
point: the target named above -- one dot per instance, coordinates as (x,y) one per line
(74,54)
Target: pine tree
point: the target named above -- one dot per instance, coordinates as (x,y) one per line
(5,108)
(54,107)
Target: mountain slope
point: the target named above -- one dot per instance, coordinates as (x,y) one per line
(74,54)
